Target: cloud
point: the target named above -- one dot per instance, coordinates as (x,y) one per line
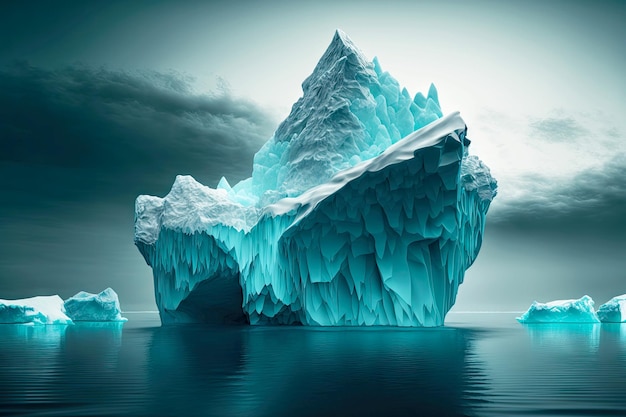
(563,169)
(92,133)
(77,145)
(557,128)
(593,198)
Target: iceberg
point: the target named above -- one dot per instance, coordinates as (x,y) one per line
(34,310)
(364,208)
(561,311)
(85,306)
(614,310)
(51,309)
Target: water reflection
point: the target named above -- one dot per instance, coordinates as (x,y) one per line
(269,371)
(614,332)
(76,370)
(191,368)
(613,344)
(37,335)
(90,369)
(555,369)
(570,337)
(92,349)
(471,368)
(30,360)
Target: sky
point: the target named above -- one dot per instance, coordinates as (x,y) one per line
(103,101)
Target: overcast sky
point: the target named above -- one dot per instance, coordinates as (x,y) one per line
(102,101)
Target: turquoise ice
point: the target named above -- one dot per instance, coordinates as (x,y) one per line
(561,311)
(614,310)
(47,309)
(85,306)
(364,208)
(51,309)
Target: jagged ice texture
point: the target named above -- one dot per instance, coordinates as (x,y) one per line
(85,306)
(561,311)
(51,309)
(364,208)
(614,310)
(47,309)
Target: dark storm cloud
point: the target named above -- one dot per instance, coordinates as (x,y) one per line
(595,198)
(77,146)
(81,133)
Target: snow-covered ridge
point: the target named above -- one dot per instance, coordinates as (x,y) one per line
(192,207)
(36,310)
(189,207)
(452,126)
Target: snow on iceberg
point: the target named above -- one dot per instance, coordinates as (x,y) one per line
(34,310)
(561,311)
(364,208)
(614,310)
(85,306)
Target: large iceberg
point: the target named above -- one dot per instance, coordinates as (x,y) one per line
(614,310)
(34,310)
(364,208)
(561,311)
(86,306)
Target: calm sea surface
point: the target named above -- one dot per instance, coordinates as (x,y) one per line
(477,365)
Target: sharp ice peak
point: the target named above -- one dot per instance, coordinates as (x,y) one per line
(340,48)
(342,38)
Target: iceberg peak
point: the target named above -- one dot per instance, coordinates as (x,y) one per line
(350,111)
(342,41)
(343,56)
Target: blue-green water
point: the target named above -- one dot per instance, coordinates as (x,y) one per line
(477,365)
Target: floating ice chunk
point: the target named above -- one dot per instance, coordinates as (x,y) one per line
(85,306)
(35,310)
(614,310)
(561,311)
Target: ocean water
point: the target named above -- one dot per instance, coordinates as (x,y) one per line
(477,365)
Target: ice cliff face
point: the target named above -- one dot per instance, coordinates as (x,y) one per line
(364,208)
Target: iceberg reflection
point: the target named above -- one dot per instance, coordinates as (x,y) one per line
(42,335)
(283,370)
(560,337)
